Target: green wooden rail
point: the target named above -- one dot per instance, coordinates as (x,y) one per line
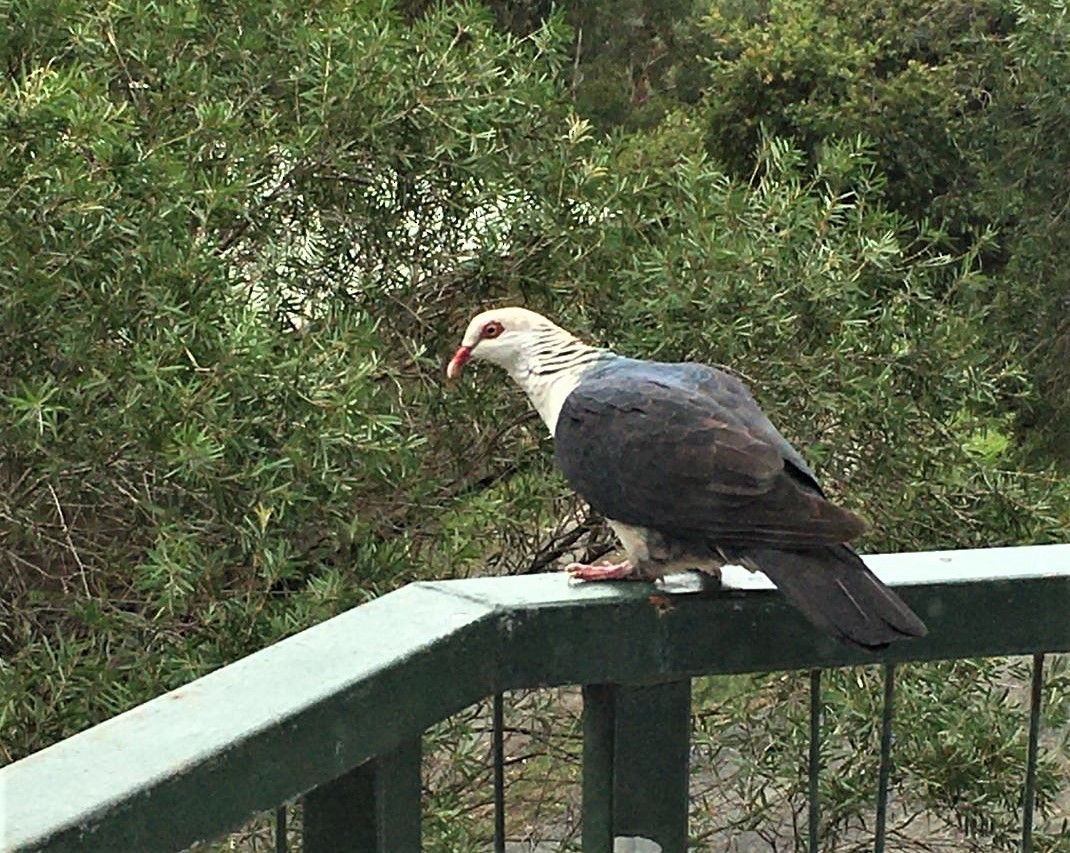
(336,712)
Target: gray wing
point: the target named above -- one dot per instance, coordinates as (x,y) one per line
(685,449)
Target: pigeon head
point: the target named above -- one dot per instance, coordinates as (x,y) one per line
(503,336)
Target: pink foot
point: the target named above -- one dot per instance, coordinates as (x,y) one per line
(604,572)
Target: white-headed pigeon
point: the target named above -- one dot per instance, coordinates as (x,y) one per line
(689,473)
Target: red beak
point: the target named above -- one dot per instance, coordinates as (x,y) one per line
(457,363)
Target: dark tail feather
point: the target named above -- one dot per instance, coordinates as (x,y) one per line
(837,592)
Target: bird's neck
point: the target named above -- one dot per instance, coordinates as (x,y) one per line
(549,370)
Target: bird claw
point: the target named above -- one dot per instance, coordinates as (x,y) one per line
(604,572)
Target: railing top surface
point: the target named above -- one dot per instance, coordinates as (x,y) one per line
(308,708)
(908,569)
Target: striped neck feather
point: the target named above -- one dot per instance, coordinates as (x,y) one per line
(552,365)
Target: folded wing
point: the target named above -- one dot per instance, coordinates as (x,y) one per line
(684,449)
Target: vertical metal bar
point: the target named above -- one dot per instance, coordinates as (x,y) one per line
(814,773)
(498,737)
(635,769)
(651,747)
(1036,693)
(374,807)
(885,773)
(281,845)
(598,729)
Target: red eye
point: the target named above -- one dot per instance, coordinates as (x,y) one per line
(492,329)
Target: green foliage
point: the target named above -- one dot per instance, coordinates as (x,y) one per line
(959,103)
(635,61)
(1025,186)
(212,218)
(238,242)
(910,77)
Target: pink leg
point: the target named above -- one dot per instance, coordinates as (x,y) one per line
(604,572)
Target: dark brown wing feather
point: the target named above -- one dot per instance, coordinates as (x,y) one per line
(685,449)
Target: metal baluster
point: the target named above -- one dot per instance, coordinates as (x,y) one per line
(499,773)
(1029,797)
(885,773)
(636,745)
(374,808)
(815,756)
(281,845)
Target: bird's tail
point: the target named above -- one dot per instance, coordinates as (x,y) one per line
(836,591)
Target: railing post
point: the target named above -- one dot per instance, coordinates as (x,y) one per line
(636,740)
(374,807)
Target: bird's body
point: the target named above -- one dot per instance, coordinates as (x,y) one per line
(690,473)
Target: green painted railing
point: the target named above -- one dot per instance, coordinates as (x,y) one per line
(336,712)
